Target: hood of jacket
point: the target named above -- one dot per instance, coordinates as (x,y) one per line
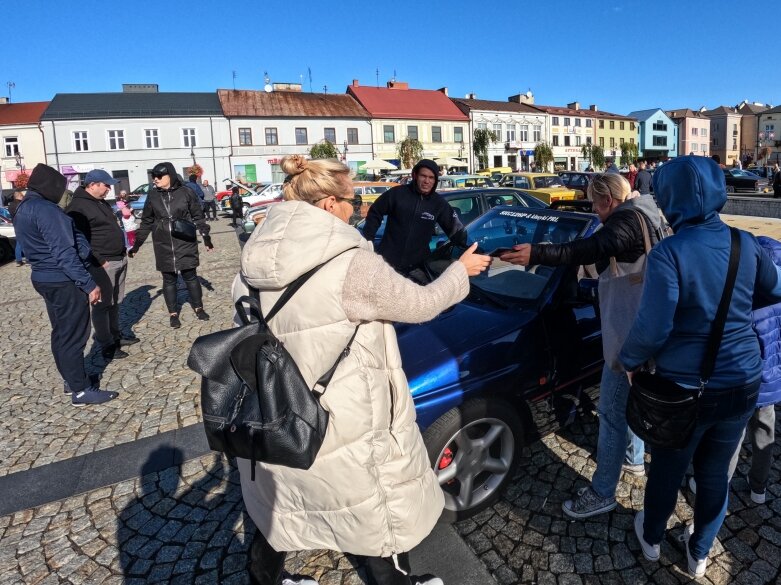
(295,237)
(176,180)
(647,205)
(690,190)
(772,248)
(46,181)
(425,164)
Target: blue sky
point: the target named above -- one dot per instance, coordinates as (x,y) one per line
(623,55)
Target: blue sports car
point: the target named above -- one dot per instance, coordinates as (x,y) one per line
(509,363)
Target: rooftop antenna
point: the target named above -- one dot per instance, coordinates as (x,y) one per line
(234,80)
(309,71)
(394,76)
(10,85)
(325,89)
(377,73)
(267,87)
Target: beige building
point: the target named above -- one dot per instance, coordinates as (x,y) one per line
(749,128)
(725,133)
(570,129)
(693,131)
(769,135)
(21,140)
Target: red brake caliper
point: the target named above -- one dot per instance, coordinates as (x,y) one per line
(447,458)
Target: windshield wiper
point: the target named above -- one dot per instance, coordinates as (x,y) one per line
(490,297)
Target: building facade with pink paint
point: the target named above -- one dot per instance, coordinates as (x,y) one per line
(693,131)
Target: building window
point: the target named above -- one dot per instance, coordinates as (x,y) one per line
(588,140)
(389,134)
(524,133)
(271,136)
(436,134)
(566,122)
(188,137)
(695,147)
(703,131)
(660,126)
(602,141)
(301,137)
(620,125)
(612,124)
(245,136)
(577,122)
(458,134)
(498,132)
(660,140)
(577,140)
(734,145)
(631,141)
(555,140)
(352,136)
(612,142)
(704,148)
(537,133)
(116,140)
(632,126)
(412,132)
(151,138)
(694,131)
(11,146)
(80,141)
(588,123)
(330,135)
(715,141)
(510,132)
(602,124)
(566,141)
(555,121)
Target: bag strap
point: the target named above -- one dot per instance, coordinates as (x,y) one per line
(717,328)
(325,379)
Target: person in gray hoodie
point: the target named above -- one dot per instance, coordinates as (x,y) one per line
(621,238)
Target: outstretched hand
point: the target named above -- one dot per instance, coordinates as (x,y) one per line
(521,255)
(474,263)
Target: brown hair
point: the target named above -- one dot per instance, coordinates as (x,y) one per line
(310,180)
(608,184)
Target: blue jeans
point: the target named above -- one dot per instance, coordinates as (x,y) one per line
(18,251)
(722,416)
(616,443)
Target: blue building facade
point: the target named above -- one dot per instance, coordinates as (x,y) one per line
(658,134)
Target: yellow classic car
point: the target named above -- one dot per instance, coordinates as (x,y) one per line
(547,187)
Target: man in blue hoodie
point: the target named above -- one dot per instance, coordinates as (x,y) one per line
(684,281)
(57,253)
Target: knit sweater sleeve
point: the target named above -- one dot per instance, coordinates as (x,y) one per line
(374,291)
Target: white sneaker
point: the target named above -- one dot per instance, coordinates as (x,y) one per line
(696,568)
(693,485)
(427,580)
(650,551)
(758,497)
(298,581)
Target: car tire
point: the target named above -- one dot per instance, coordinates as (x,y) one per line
(137,213)
(454,443)
(730,189)
(6,251)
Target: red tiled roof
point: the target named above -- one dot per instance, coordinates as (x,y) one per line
(22,113)
(250,103)
(415,104)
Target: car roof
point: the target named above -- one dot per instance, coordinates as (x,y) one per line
(371,184)
(532,175)
(463,176)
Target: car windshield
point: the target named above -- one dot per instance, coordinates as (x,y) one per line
(503,228)
(544,182)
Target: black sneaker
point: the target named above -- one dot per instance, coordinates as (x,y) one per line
(175,322)
(201,314)
(112,352)
(94,379)
(123,341)
(92,396)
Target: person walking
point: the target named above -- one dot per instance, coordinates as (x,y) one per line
(621,238)
(209,201)
(94,218)
(169,200)
(371,490)
(632,175)
(643,179)
(192,185)
(685,280)
(776,181)
(57,253)
(236,206)
(18,196)
(412,211)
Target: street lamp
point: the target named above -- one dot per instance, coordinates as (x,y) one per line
(344,152)
(192,154)
(19,161)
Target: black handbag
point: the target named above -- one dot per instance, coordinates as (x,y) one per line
(181,229)
(255,402)
(663,413)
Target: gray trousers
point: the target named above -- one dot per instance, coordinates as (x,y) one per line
(105,314)
(761,431)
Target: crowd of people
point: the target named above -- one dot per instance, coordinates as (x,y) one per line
(371,490)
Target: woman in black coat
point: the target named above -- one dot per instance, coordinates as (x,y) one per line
(236,206)
(170,200)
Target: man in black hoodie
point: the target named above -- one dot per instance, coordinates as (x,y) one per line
(107,263)
(57,253)
(412,211)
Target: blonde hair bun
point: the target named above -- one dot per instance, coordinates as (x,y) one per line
(294,164)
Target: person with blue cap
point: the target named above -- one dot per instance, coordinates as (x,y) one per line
(95,218)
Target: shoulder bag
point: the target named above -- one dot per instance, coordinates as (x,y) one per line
(663,413)
(255,402)
(182,229)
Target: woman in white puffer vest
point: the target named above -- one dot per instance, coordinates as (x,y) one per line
(371,491)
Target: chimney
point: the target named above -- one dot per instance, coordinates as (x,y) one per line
(443,90)
(522,98)
(393,84)
(4,100)
(593,108)
(355,83)
(471,96)
(574,106)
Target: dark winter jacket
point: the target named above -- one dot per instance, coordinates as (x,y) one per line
(195,188)
(171,254)
(411,220)
(97,221)
(56,250)
(12,206)
(643,182)
(236,204)
(767,324)
(621,236)
(685,278)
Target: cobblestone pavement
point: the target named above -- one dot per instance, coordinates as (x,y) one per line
(158,392)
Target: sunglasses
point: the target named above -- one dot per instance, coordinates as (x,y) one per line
(158,175)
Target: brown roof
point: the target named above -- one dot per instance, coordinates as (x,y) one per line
(684,113)
(23,113)
(494,105)
(610,115)
(566,111)
(753,108)
(288,104)
(721,110)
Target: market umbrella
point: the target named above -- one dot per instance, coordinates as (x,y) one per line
(377,164)
(450,162)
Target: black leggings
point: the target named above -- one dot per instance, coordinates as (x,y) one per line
(266,566)
(192,283)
